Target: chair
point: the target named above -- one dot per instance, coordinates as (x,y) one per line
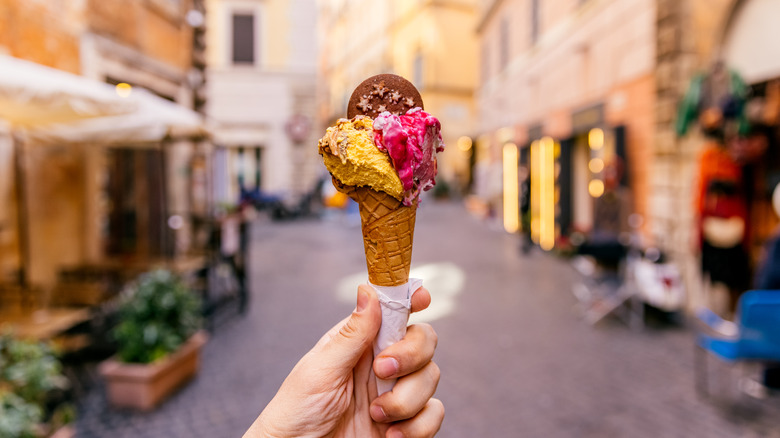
(755,337)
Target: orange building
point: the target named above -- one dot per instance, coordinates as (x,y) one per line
(87,202)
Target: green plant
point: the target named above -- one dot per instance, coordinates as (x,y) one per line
(158,313)
(29,371)
(18,418)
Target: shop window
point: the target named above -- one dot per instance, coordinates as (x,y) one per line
(243,38)
(136,201)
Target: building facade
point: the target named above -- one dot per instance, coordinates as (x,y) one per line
(261,87)
(577,101)
(86,202)
(692,37)
(429,42)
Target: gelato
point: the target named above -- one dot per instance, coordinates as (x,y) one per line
(384,164)
(412,141)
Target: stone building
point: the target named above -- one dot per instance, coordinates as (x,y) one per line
(261,88)
(691,36)
(570,84)
(429,42)
(87,202)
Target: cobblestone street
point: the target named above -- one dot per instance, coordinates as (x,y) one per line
(516,359)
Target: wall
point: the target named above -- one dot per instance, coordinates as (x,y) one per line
(251,104)
(46,32)
(577,61)
(9,245)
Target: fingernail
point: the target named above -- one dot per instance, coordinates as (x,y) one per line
(362,301)
(386,367)
(378,414)
(395,433)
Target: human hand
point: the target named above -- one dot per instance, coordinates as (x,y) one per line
(331,392)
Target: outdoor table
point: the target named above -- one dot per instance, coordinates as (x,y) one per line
(43,324)
(179,265)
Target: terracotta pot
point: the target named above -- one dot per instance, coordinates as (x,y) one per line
(144,386)
(64,432)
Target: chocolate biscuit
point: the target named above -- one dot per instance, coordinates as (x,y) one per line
(385,92)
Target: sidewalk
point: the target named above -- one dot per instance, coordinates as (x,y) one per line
(516,359)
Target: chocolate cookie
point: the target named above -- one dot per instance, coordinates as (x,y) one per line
(385,92)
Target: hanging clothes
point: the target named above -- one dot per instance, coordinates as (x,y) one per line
(712,98)
(723,225)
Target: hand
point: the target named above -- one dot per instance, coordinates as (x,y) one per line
(332,392)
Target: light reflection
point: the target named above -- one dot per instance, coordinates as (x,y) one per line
(596,165)
(464,144)
(596,188)
(444,280)
(546,157)
(511,189)
(123,89)
(596,139)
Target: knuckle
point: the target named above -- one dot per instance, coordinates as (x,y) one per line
(426,331)
(396,408)
(434,371)
(437,408)
(431,333)
(349,329)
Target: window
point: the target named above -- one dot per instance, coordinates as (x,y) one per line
(504,43)
(485,62)
(417,74)
(243,39)
(534,21)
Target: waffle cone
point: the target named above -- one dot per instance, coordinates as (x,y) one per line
(388,231)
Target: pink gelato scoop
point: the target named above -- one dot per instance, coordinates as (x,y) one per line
(412,141)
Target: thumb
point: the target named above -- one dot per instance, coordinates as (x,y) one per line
(358,332)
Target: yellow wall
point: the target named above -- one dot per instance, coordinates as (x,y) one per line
(42,32)
(272,25)
(369,38)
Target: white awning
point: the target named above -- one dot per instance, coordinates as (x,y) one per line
(34,95)
(751,45)
(153,120)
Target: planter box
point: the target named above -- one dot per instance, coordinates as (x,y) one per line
(64,432)
(144,386)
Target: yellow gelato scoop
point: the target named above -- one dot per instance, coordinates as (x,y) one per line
(351,156)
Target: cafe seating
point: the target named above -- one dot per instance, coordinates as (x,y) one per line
(754,337)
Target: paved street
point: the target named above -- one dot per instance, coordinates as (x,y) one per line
(516,360)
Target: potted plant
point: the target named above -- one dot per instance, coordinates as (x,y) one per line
(30,378)
(159,341)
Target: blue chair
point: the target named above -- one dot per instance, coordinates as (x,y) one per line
(755,337)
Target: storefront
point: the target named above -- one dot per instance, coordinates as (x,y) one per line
(725,169)
(578,184)
(94,174)
(749,49)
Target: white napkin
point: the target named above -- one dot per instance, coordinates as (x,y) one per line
(396,304)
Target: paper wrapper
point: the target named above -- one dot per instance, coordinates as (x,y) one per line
(396,304)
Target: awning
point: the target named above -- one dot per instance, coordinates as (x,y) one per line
(153,120)
(34,95)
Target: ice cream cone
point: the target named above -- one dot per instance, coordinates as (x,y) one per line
(388,232)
